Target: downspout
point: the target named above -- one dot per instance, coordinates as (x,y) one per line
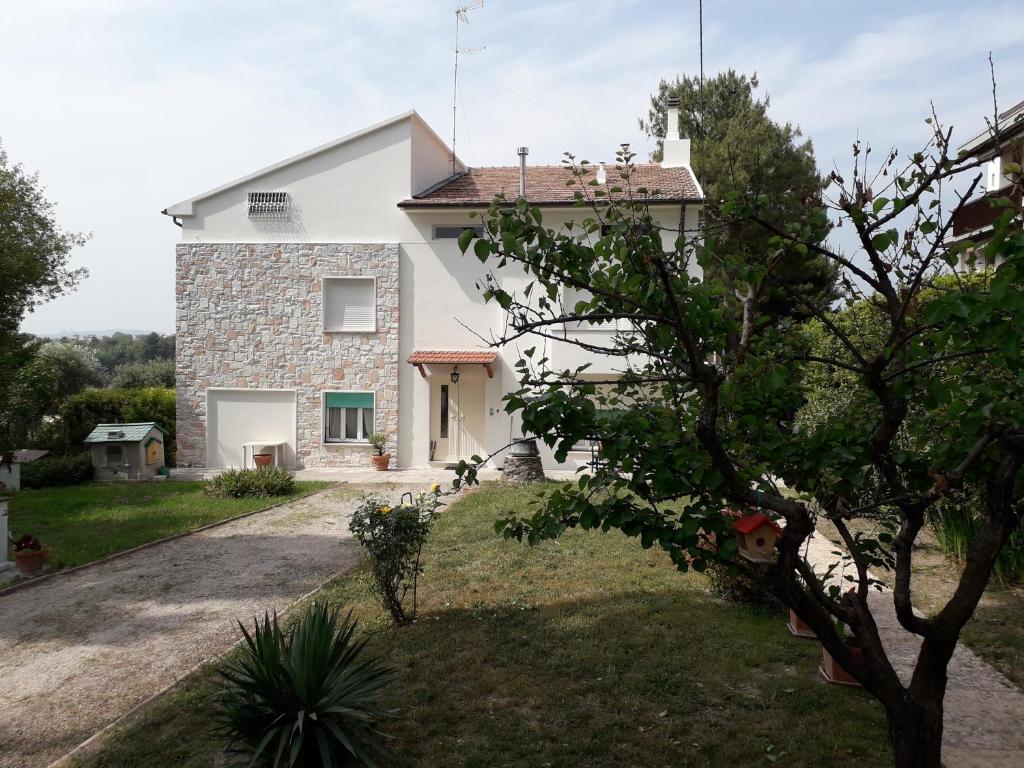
(175,219)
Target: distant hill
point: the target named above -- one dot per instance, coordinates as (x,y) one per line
(104,332)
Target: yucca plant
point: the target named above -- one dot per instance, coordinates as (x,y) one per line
(306,696)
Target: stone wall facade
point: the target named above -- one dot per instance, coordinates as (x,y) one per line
(250,316)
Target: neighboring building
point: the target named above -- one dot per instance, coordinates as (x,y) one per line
(324,298)
(127,451)
(10,467)
(974,220)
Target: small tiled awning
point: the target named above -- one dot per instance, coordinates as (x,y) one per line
(422,357)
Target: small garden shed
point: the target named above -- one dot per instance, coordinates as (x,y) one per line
(127,451)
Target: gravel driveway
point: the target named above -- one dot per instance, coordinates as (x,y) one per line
(81,650)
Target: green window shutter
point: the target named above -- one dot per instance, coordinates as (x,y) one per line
(349,399)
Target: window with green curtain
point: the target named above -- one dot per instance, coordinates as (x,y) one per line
(349,399)
(348,416)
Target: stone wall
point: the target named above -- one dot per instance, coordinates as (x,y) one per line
(250,316)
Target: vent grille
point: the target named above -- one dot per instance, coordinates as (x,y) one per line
(268,205)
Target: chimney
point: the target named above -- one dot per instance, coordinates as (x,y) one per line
(675,152)
(523,152)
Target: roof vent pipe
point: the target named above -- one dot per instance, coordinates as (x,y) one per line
(523,152)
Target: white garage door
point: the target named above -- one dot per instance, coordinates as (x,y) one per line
(237,416)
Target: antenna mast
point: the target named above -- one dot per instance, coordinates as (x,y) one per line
(700,11)
(461,16)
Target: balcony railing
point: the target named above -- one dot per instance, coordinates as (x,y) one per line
(980,213)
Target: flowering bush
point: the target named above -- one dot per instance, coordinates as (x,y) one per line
(393,537)
(27,543)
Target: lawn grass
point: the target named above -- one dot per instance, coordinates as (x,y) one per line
(995,632)
(584,651)
(82,523)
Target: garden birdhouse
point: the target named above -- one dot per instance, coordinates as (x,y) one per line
(756,535)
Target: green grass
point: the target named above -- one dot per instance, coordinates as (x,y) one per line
(82,523)
(585,651)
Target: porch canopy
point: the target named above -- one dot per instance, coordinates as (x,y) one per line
(422,357)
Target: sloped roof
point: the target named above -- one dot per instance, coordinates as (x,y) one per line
(28,455)
(122,433)
(452,357)
(1011,124)
(751,523)
(184,208)
(546,185)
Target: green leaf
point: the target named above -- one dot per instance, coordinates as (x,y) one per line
(482,249)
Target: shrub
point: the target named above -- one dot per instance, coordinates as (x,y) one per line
(52,471)
(305,696)
(393,537)
(957,521)
(258,482)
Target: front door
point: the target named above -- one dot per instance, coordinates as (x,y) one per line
(457,415)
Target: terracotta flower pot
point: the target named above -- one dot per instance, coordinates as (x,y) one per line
(798,628)
(380,463)
(263,459)
(30,564)
(834,673)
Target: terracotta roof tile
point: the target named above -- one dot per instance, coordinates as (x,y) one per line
(546,185)
(452,357)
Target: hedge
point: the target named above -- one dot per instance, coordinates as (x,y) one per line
(52,471)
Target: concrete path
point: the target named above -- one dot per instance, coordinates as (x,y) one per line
(81,650)
(983,710)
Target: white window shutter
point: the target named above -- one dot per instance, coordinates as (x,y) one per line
(350,304)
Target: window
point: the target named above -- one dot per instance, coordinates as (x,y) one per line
(268,205)
(453,233)
(444,411)
(350,304)
(114,454)
(348,417)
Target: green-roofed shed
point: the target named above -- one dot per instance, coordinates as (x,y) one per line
(127,451)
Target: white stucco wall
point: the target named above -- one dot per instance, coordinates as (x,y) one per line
(442,307)
(10,477)
(347,193)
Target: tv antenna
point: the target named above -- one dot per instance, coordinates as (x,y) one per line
(461,17)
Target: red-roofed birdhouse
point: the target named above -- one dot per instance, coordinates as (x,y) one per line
(756,534)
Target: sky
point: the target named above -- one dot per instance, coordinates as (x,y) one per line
(127,106)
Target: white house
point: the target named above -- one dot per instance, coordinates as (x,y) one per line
(1001,150)
(324,298)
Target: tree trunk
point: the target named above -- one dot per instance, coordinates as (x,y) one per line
(916,733)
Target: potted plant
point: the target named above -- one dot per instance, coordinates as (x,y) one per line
(832,671)
(380,460)
(29,555)
(798,627)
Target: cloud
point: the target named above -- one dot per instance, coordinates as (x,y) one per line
(125,106)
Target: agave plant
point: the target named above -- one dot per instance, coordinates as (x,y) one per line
(306,696)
